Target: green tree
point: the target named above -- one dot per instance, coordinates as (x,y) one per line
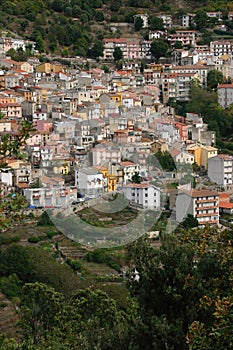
(201,19)
(117,54)
(136,178)
(178,45)
(159,48)
(138,24)
(165,160)
(156,23)
(15,260)
(214,77)
(41,309)
(189,222)
(97,50)
(12,147)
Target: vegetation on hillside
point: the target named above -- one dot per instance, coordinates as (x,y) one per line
(62,27)
(182,298)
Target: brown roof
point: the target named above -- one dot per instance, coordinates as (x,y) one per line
(201,193)
(225,86)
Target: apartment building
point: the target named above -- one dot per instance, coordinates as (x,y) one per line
(89,181)
(143,195)
(129,169)
(201,71)
(219,48)
(220,169)
(104,153)
(50,197)
(202,204)
(111,44)
(225,95)
(187,20)
(186,37)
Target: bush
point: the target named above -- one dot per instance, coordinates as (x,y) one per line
(5,239)
(107,257)
(44,220)
(36,239)
(33,239)
(51,234)
(11,286)
(74,264)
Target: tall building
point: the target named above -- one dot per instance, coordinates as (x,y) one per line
(202,204)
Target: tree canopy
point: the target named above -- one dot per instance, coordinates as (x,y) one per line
(214,77)
(159,48)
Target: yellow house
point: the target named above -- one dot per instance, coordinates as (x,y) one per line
(202,154)
(196,151)
(111,178)
(61,169)
(103,170)
(158,145)
(62,166)
(112,181)
(48,68)
(27,95)
(207,152)
(117,97)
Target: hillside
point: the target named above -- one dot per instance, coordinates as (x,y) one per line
(62,27)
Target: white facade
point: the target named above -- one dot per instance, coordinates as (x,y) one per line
(184,158)
(89,181)
(144,195)
(220,169)
(219,48)
(167,132)
(225,95)
(129,169)
(6,176)
(202,204)
(167,20)
(58,196)
(104,155)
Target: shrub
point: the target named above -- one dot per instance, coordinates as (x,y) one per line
(33,239)
(51,234)
(11,286)
(74,264)
(5,239)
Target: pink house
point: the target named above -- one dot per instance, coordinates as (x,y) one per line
(42,125)
(11,110)
(183,130)
(134,50)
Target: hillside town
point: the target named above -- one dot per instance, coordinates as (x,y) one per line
(95,132)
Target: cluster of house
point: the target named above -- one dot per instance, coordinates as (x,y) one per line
(7,43)
(95,133)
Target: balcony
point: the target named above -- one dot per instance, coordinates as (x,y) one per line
(207,207)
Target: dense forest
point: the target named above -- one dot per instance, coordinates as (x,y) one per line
(73,27)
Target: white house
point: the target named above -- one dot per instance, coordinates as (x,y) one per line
(89,181)
(129,169)
(144,195)
(103,154)
(49,197)
(6,176)
(144,17)
(184,158)
(220,169)
(225,95)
